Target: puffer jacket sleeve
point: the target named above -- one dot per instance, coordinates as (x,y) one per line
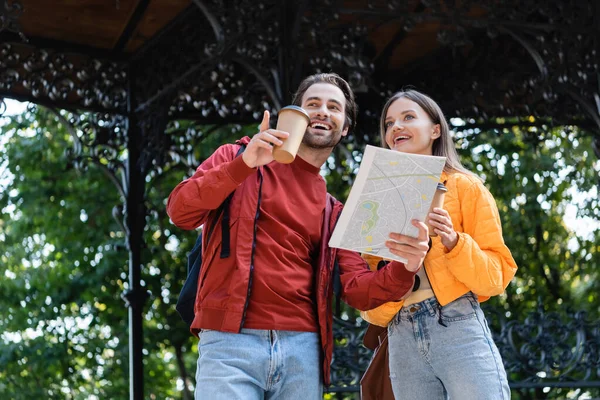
(382,315)
(480,259)
(189,203)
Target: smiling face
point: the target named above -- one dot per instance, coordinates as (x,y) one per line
(409,129)
(326,106)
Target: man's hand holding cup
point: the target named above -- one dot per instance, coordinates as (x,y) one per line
(259,151)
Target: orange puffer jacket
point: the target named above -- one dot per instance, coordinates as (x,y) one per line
(480,262)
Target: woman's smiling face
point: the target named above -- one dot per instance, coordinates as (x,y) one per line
(409,129)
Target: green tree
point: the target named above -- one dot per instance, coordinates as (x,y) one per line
(64,263)
(535,173)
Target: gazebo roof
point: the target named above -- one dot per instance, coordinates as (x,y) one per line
(117,27)
(218,61)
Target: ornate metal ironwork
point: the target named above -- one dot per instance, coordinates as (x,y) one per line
(549,349)
(186,140)
(546,349)
(222,79)
(224,94)
(101,139)
(493,60)
(350,357)
(558,47)
(120,146)
(332,44)
(10,11)
(246,66)
(231,63)
(66,80)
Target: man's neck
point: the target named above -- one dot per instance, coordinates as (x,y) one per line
(316,157)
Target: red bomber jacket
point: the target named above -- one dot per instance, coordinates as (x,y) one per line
(222,307)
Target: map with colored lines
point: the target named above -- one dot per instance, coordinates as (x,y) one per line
(390,190)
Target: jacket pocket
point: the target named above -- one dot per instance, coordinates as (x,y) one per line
(216,271)
(211,254)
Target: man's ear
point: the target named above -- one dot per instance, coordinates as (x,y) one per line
(345,131)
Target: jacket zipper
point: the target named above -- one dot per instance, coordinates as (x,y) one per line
(425,269)
(330,262)
(440,321)
(256,215)
(329,256)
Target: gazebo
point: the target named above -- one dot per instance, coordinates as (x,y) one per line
(137,65)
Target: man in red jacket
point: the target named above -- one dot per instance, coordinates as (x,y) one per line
(263,315)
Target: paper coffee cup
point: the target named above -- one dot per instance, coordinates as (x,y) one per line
(438,201)
(293,120)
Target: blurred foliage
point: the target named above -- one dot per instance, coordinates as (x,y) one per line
(541,176)
(64,263)
(536,174)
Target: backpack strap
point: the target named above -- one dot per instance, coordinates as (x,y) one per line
(225,243)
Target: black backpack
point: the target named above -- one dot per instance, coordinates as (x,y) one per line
(187,296)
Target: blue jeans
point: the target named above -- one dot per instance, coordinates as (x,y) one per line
(458,361)
(259,364)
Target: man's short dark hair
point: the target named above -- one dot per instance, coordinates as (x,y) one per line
(335,80)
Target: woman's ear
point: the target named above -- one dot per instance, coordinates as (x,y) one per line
(436,131)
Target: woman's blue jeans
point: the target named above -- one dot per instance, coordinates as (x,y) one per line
(445,353)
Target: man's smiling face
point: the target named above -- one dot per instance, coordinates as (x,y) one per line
(326,107)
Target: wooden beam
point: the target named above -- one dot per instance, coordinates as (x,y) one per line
(132,25)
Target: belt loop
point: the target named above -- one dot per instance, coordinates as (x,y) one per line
(431,305)
(474,297)
(473,300)
(440,320)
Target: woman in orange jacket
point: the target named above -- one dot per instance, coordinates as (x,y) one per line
(440,345)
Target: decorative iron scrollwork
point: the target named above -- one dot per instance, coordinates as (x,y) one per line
(333,45)
(226,94)
(152,142)
(63,79)
(98,138)
(546,349)
(186,143)
(233,63)
(10,11)
(557,41)
(350,357)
